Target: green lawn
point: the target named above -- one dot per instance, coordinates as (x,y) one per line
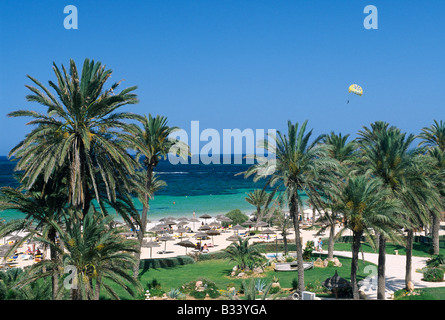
(218,270)
(425,294)
(419,249)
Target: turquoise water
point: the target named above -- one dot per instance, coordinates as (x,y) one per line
(204,189)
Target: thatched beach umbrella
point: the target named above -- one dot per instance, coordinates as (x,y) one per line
(151,245)
(268,232)
(237,228)
(165,238)
(233,237)
(215,224)
(261,224)
(213,233)
(170,218)
(201,235)
(205,217)
(194,220)
(186,244)
(204,227)
(181,231)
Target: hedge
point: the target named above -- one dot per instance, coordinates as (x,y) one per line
(165,262)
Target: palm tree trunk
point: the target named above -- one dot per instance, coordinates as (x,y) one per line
(331,241)
(143,226)
(97,288)
(294,213)
(435,233)
(53,257)
(409,255)
(381,286)
(354,264)
(285,242)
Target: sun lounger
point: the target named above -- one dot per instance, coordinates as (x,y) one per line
(289,266)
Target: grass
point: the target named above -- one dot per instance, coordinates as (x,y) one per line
(218,271)
(421,294)
(419,249)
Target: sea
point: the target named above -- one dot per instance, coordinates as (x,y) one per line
(192,189)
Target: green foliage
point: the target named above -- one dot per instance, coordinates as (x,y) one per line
(436,261)
(294,283)
(237,217)
(172,262)
(176,294)
(433,274)
(155,288)
(11,288)
(244,254)
(208,288)
(307,252)
(274,290)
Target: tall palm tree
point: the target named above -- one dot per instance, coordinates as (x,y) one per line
(387,154)
(299,166)
(433,138)
(80,129)
(434,135)
(152,141)
(258,199)
(344,152)
(365,205)
(98,253)
(43,203)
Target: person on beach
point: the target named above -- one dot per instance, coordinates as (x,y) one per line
(320,245)
(205,248)
(316,244)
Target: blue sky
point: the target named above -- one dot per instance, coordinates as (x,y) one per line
(238,64)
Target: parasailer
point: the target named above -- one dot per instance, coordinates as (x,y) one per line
(355,88)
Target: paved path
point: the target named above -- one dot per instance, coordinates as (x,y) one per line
(394,273)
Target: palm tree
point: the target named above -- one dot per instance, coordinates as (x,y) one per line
(9,289)
(387,154)
(365,205)
(344,152)
(43,203)
(80,129)
(152,141)
(98,254)
(299,166)
(242,253)
(258,199)
(434,135)
(433,138)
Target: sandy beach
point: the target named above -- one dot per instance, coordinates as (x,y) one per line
(394,268)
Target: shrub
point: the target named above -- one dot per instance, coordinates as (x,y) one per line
(436,261)
(210,288)
(175,294)
(260,284)
(294,283)
(237,217)
(200,295)
(274,290)
(307,253)
(155,288)
(165,262)
(433,274)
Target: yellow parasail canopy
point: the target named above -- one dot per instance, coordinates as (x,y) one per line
(355,88)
